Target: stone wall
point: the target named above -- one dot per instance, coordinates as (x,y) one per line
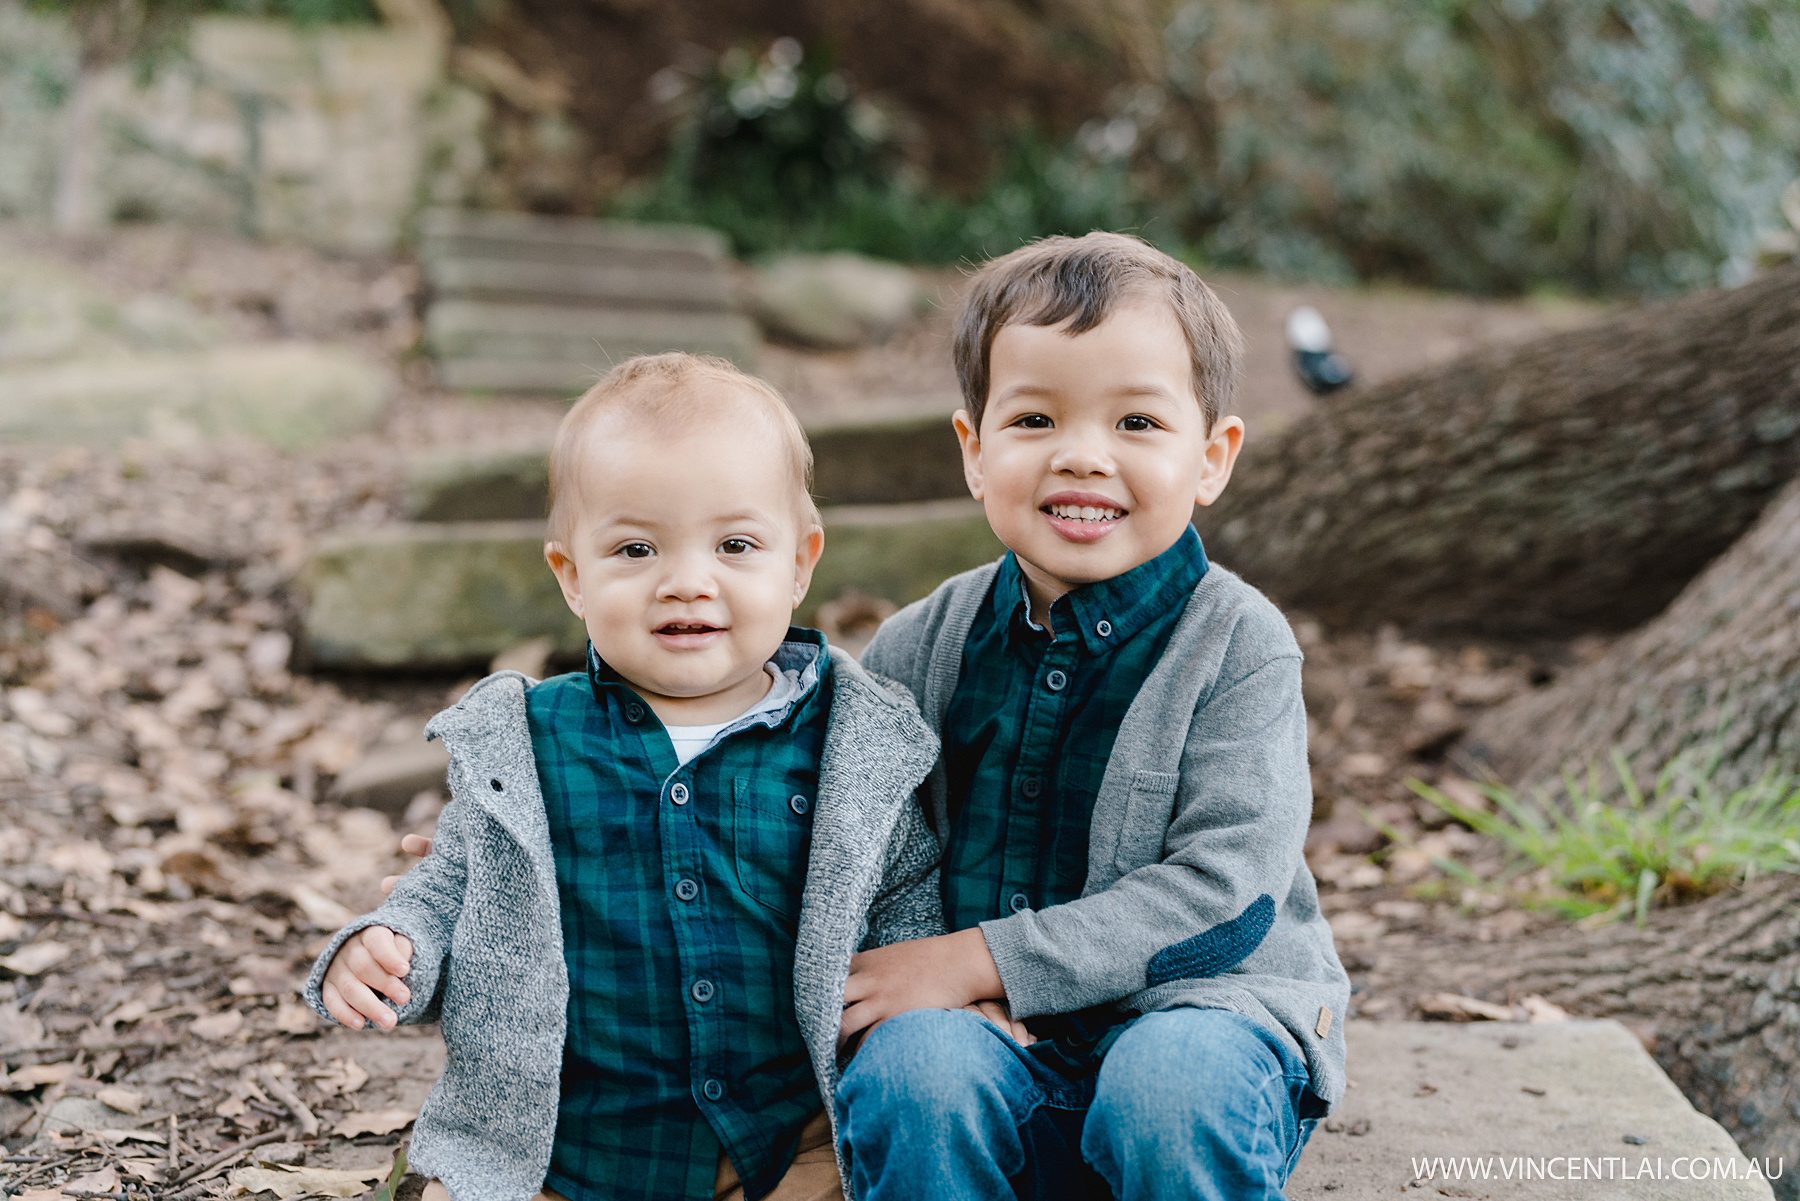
(331,136)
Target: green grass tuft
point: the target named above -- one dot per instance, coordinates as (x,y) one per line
(1598,848)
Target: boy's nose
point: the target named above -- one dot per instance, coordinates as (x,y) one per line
(688,578)
(1081,452)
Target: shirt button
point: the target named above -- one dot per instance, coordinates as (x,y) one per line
(1056,681)
(799,804)
(702,992)
(1103,628)
(714,1090)
(634,713)
(687,890)
(1020,902)
(1031,787)
(679,794)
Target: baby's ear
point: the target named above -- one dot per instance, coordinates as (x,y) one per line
(806,557)
(566,576)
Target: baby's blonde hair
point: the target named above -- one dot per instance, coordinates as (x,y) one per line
(667,390)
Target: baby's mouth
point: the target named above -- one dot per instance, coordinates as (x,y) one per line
(678,629)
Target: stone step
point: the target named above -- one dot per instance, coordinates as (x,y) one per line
(443,596)
(615,285)
(531,334)
(894,461)
(1579,1099)
(467,233)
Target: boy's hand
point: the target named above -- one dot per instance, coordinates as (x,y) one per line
(412,844)
(999,1013)
(371,961)
(951,971)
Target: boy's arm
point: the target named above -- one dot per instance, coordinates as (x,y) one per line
(1230,853)
(423,908)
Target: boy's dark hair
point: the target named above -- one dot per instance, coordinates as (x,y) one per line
(1081,280)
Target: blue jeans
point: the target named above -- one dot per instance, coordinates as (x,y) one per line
(939,1104)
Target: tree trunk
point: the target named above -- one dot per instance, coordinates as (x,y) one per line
(1713,988)
(1571,483)
(1720,668)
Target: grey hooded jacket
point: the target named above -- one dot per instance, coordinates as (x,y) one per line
(481,911)
(1197,893)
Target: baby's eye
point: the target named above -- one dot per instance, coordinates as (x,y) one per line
(736,546)
(1137,423)
(637,550)
(1034,421)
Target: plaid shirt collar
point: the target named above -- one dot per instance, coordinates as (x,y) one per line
(1106,613)
(802,652)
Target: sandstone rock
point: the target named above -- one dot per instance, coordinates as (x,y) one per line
(391,775)
(1585,1093)
(834,301)
(291,395)
(433,596)
(858,462)
(454,595)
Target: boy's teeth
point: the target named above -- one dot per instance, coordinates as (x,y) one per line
(1086,513)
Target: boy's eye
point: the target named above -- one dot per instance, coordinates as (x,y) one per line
(736,546)
(1137,423)
(1034,421)
(637,550)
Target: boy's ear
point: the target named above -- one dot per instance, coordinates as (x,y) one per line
(1222,446)
(566,577)
(812,545)
(970,437)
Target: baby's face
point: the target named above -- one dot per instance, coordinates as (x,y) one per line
(1093,449)
(687,559)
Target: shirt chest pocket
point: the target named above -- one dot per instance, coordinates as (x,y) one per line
(771,835)
(1148,808)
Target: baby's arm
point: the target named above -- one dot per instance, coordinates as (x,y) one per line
(408,937)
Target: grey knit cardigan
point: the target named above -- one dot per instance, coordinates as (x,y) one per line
(1197,893)
(481,911)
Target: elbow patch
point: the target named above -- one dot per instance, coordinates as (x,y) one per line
(1214,951)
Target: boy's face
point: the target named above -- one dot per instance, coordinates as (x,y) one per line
(687,559)
(1093,449)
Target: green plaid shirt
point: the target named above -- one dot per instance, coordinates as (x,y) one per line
(1030,729)
(680,891)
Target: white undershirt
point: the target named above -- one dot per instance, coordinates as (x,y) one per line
(691,740)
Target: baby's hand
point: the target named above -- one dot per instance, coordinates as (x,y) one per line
(371,961)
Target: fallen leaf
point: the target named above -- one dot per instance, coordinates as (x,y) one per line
(129,1136)
(1459,1008)
(264,976)
(291,1017)
(219,1026)
(129,1012)
(1538,1011)
(35,1074)
(380,1121)
(340,1077)
(319,909)
(121,1099)
(106,1180)
(19,1029)
(316,1182)
(38,957)
(152,1170)
(40,1194)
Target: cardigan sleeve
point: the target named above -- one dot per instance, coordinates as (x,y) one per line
(423,907)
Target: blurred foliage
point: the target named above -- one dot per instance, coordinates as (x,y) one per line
(777,151)
(1482,145)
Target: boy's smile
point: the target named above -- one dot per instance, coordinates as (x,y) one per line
(1093,448)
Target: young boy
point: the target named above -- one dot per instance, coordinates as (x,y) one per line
(1123,793)
(639,912)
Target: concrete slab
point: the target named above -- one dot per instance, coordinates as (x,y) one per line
(1437,1107)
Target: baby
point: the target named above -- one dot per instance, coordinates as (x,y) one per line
(637,918)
